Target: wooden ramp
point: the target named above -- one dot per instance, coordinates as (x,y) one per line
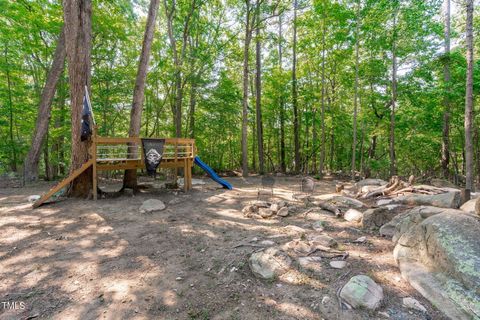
(63,183)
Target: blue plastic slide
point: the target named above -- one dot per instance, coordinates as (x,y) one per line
(212,173)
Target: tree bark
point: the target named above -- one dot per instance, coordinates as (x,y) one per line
(246,49)
(393,161)
(258,93)
(322,104)
(283,163)
(469,101)
(44,110)
(446,99)
(77,17)
(193,103)
(296,129)
(130,178)
(13,149)
(355,101)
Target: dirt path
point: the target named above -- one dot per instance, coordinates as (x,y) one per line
(81,259)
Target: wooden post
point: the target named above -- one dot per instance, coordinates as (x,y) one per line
(94,165)
(185,175)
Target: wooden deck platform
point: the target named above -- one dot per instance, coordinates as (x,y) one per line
(178,153)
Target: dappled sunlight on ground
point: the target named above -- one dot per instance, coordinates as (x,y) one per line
(81,259)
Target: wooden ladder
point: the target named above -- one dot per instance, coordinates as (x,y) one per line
(63,183)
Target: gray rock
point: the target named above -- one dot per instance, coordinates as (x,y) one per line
(440,257)
(319,225)
(370,182)
(449,199)
(298,247)
(151,205)
(361,291)
(323,240)
(249,210)
(281,204)
(375,218)
(338,264)
(283,212)
(265,212)
(274,207)
(382,202)
(412,303)
(261,204)
(469,206)
(442,183)
(404,221)
(340,201)
(311,263)
(269,263)
(294,230)
(353,215)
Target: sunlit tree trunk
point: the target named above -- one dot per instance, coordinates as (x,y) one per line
(13,149)
(130,178)
(469,102)
(44,110)
(446,99)
(393,161)
(246,50)
(77,17)
(322,103)
(296,129)
(283,164)
(355,98)
(258,94)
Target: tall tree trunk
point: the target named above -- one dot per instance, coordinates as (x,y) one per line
(446,99)
(296,129)
(130,178)
(258,93)
(44,110)
(13,149)
(178,104)
(355,101)
(469,103)
(283,163)
(393,161)
(246,49)
(78,36)
(322,103)
(193,102)
(46,159)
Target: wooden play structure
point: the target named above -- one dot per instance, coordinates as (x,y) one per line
(109,153)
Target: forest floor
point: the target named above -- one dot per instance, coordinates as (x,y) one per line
(81,259)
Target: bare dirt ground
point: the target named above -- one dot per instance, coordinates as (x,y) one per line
(81,259)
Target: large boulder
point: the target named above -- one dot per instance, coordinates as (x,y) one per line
(370,182)
(449,199)
(440,257)
(339,201)
(404,221)
(269,263)
(377,217)
(471,206)
(442,183)
(362,292)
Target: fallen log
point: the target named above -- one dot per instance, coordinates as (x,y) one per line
(329,207)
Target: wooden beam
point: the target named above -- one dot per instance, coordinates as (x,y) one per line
(63,183)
